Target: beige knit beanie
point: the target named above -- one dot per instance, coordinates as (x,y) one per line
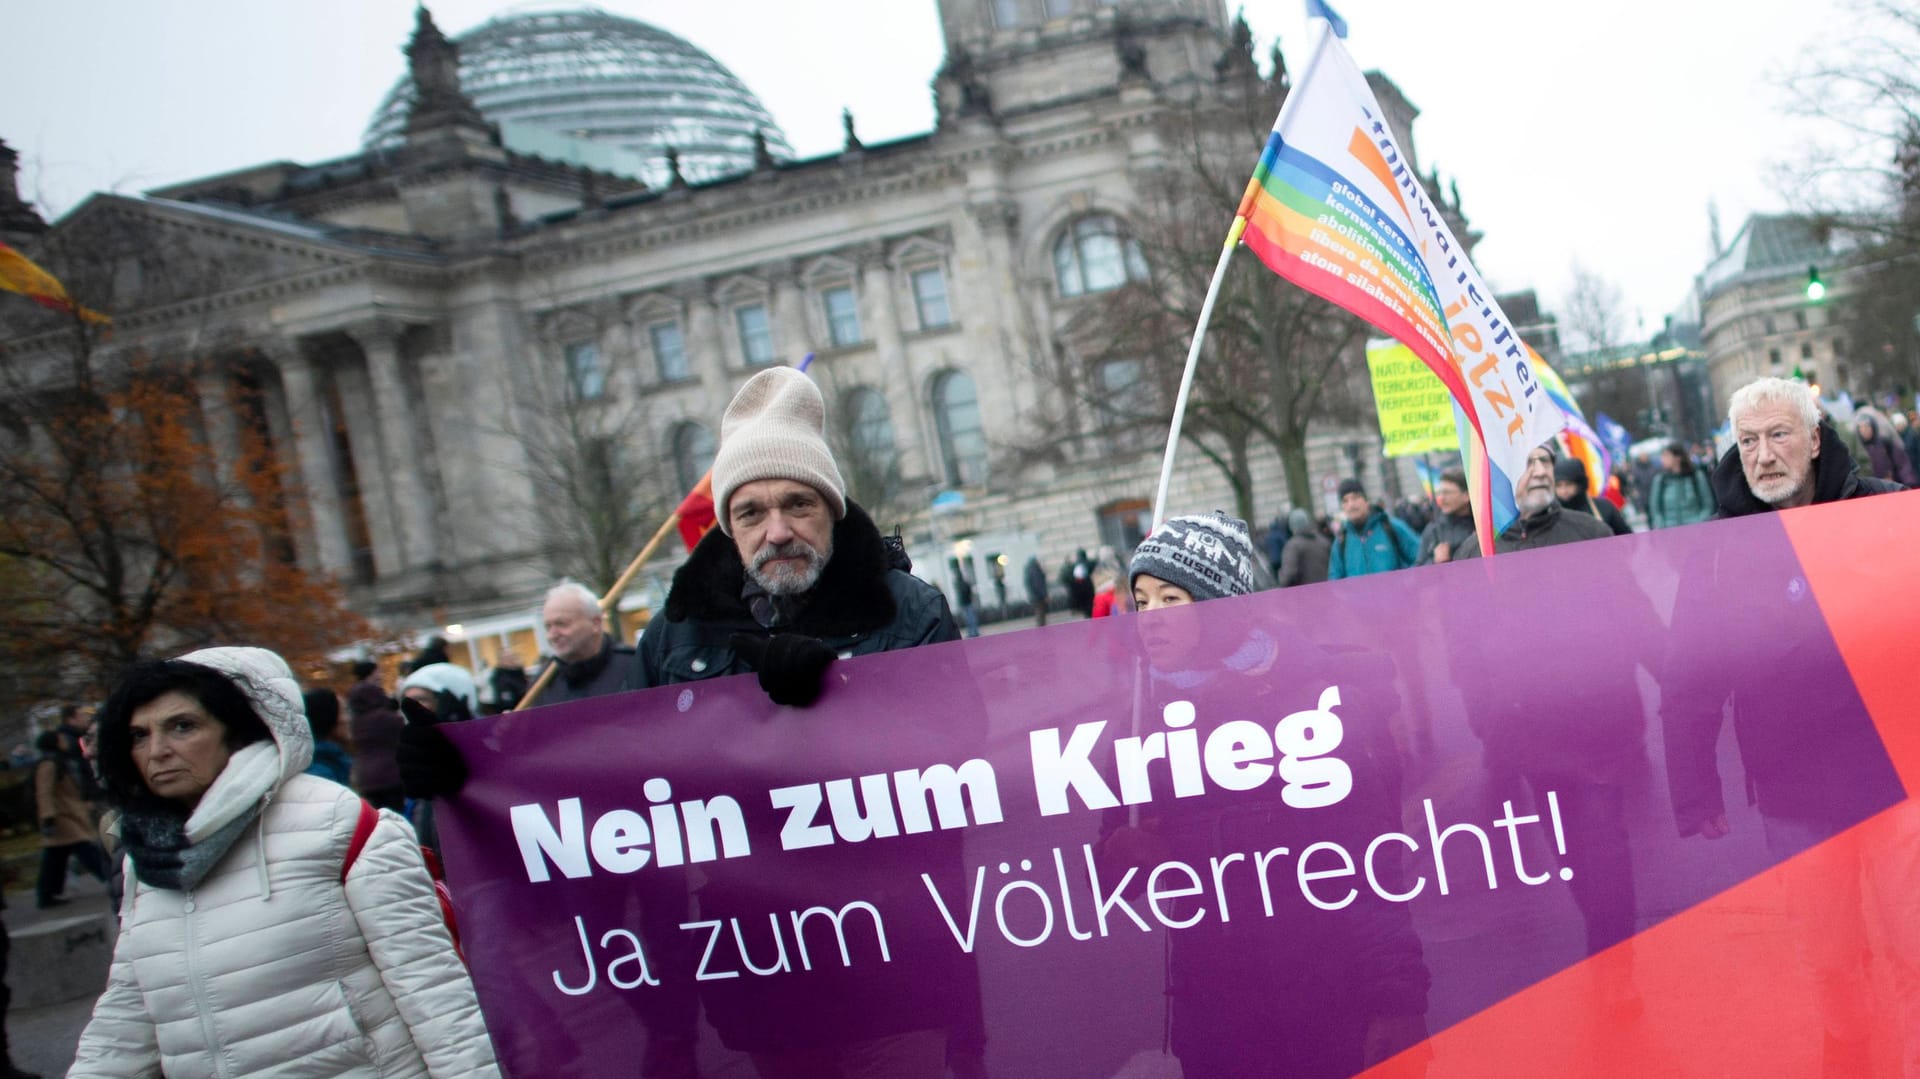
(775,429)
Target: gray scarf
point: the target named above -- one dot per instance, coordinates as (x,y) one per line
(156,839)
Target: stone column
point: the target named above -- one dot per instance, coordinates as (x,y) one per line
(787,314)
(997,221)
(367,474)
(880,310)
(399,425)
(214,386)
(317,474)
(707,350)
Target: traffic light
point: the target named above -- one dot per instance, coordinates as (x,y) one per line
(1816,289)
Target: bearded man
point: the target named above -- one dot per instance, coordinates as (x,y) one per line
(1541,523)
(795,575)
(1784,454)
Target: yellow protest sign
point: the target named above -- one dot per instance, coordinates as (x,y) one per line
(1416,415)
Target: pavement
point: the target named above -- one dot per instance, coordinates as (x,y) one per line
(1014,625)
(42,1039)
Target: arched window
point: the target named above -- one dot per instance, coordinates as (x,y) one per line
(692,454)
(1094,255)
(873,468)
(1126,401)
(963,441)
(870,426)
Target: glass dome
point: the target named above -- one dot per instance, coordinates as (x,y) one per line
(575,84)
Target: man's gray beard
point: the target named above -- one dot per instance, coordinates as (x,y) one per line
(1781,490)
(1533,501)
(785,582)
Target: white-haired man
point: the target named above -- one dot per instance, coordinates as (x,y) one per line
(1784,454)
(1541,522)
(592,663)
(795,574)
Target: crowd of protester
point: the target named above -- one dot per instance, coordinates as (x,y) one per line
(219,783)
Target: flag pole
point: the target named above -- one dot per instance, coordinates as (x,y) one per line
(1213,291)
(607,603)
(1193,361)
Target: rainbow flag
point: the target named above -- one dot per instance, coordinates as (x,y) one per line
(18,273)
(1334,208)
(1581,441)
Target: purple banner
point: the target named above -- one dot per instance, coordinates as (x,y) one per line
(1289,834)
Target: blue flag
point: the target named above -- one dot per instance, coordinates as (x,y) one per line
(1614,435)
(1319,9)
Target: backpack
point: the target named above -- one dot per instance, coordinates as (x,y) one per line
(363,831)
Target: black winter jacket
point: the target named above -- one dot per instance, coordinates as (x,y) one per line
(602,673)
(858,607)
(1601,508)
(1548,528)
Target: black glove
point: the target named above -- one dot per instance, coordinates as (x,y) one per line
(430,766)
(790,665)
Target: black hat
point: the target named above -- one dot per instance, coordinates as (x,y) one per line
(1352,487)
(1570,470)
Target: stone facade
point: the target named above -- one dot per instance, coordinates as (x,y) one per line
(1756,318)
(403,313)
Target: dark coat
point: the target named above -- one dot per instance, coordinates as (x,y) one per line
(1548,528)
(1833,479)
(858,607)
(1036,581)
(1453,529)
(1304,560)
(602,673)
(375,728)
(1601,508)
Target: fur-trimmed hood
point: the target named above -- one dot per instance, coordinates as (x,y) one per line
(851,596)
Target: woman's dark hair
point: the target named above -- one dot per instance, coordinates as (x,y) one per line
(323,713)
(144,683)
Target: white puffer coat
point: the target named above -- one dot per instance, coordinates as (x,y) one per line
(270,966)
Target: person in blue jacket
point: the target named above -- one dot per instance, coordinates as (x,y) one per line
(1373,541)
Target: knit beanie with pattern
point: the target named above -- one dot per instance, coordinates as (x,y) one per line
(1208,554)
(775,429)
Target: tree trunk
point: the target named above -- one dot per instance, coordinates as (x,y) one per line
(1293,460)
(1241,476)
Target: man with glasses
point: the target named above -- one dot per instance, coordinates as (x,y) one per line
(795,575)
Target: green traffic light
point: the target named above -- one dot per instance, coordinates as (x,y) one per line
(1816,290)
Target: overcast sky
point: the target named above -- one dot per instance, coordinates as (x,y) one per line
(1577,131)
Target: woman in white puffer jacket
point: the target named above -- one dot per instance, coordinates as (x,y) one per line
(242,952)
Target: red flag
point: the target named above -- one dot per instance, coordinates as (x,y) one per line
(18,273)
(696,511)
